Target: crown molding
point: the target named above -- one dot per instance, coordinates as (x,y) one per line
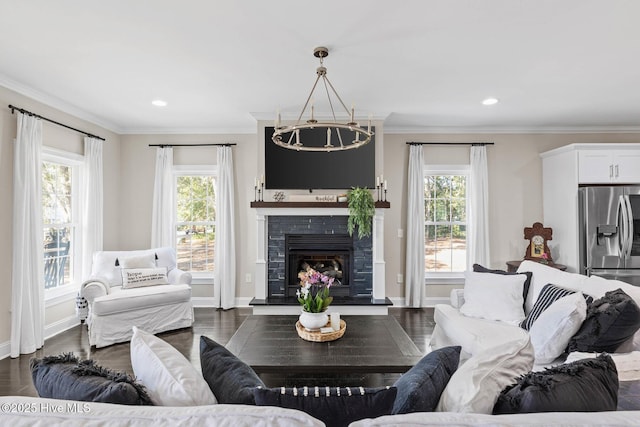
(57,103)
(189,131)
(271,116)
(391,129)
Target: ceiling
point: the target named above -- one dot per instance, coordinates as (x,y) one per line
(421,65)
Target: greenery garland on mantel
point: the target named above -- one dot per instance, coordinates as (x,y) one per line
(361,211)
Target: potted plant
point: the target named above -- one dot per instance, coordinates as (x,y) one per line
(361,211)
(314,297)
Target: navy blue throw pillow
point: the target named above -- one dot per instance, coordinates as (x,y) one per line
(334,406)
(230,379)
(419,389)
(588,385)
(611,320)
(68,378)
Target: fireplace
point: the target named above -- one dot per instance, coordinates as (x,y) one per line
(329,254)
(317,239)
(274,220)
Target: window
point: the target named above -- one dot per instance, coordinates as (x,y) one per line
(60,218)
(445,213)
(195,220)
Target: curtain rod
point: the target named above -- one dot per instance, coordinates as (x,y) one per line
(192,145)
(450,143)
(23,111)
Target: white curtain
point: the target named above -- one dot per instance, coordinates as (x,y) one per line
(414,271)
(225,247)
(92,236)
(162,217)
(478,237)
(27,277)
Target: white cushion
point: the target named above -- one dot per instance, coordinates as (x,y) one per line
(104,262)
(475,386)
(170,379)
(140,277)
(597,286)
(542,275)
(494,296)
(472,334)
(448,419)
(552,331)
(138,261)
(72,413)
(119,300)
(456,298)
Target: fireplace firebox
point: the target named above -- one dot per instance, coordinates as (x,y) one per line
(329,254)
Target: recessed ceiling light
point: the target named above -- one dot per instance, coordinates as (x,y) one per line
(159,103)
(490,101)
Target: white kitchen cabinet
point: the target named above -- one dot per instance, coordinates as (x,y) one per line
(605,166)
(626,166)
(563,171)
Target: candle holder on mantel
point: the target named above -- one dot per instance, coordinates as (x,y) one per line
(258,191)
(381,188)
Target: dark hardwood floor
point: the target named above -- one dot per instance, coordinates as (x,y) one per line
(220,325)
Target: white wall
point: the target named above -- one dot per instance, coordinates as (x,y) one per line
(59,315)
(137,169)
(515,189)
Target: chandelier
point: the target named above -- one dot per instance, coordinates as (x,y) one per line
(291,137)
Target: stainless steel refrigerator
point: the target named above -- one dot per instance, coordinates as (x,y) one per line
(610,232)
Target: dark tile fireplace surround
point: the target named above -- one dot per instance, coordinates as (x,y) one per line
(318,240)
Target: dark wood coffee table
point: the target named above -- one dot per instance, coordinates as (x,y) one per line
(371,344)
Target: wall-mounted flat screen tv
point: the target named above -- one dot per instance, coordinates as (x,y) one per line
(308,170)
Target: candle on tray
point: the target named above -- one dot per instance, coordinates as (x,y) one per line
(335,321)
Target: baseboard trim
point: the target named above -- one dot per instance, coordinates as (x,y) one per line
(347,310)
(432,301)
(203,302)
(209,302)
(50,330)
(399,302)
(5,350)
(60,326)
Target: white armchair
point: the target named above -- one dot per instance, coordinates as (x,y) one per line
(135,288)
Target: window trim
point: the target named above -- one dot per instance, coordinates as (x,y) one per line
(68,292)
(199,277)
(449,277)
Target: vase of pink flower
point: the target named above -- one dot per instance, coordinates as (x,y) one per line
(314,297)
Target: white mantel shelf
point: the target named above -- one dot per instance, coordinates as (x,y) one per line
(378,205)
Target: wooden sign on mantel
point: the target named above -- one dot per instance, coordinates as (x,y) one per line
(313,198)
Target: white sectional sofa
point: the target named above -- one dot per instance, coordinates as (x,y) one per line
(494,353)
(476,335)
(20,411)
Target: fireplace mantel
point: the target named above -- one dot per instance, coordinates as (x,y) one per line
(378,205)
(266,209)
